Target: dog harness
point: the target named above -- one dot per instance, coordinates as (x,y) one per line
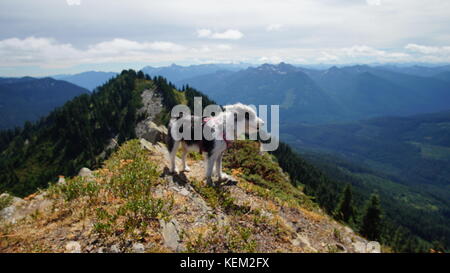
(228,142)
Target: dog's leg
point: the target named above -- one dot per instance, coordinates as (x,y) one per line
(221,175)
(173,155)
(183,158)
(209,168)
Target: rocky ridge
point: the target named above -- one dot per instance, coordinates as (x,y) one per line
(201,219)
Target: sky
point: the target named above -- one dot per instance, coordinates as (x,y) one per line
(47,37)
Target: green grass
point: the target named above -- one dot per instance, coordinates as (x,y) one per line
(120,193)
(231,238)
(265,175)
(75,188)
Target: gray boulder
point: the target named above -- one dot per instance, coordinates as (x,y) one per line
(170,234)
(138,248)
(85,172)
(151,132)
(373,247)
(73,247)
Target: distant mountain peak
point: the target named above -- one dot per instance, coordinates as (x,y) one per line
(281,68)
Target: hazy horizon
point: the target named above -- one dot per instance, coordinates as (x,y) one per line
(309,66)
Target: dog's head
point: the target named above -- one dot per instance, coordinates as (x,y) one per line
(244,115)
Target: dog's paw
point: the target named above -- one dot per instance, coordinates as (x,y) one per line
(209,182)
(225,177)
(174,171)
(186,169)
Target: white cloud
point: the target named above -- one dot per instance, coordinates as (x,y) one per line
(366,51)
(373,2)
(73,2)
(274,27)
(270,59)
(223,47)
(327,57)
(230,34)
(123,45)
(203,33)
(428,50)
(212,48)
(362,50)
(47,52)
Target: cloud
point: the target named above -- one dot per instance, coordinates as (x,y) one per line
(122,45)
(327,57)
(73,2)
(270,59)
(373,2)
(47,52)
(212,48)
(274,27)
(203,33)
(428,50)
(366,51)
(230,34)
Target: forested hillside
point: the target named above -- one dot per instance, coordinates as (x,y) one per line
(74,135)
(404,159)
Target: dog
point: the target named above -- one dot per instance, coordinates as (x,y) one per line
(224,129)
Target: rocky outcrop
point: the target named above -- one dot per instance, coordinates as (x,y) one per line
(21,208)
(152,106)
(151,132)
(170,235)
(85,172)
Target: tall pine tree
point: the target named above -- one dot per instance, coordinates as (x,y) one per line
(345,210)
(371,223)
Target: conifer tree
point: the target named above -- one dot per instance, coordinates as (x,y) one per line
(371,222)
(345,210)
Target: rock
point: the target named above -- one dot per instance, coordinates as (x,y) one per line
(347,240)
(151,132)
(373,247)
(7,214)
(145,144)
(341,248)
(11,214)
(181,190)
(170,235)
(85,172)
(138,248)
(73,247)
(61,180)
(184,192)
(114,249)
(303,241)
(360,247)
(348,230)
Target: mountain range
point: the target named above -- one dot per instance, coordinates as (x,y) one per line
(89,79)
(331,95)
(176,73)
(29,99)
